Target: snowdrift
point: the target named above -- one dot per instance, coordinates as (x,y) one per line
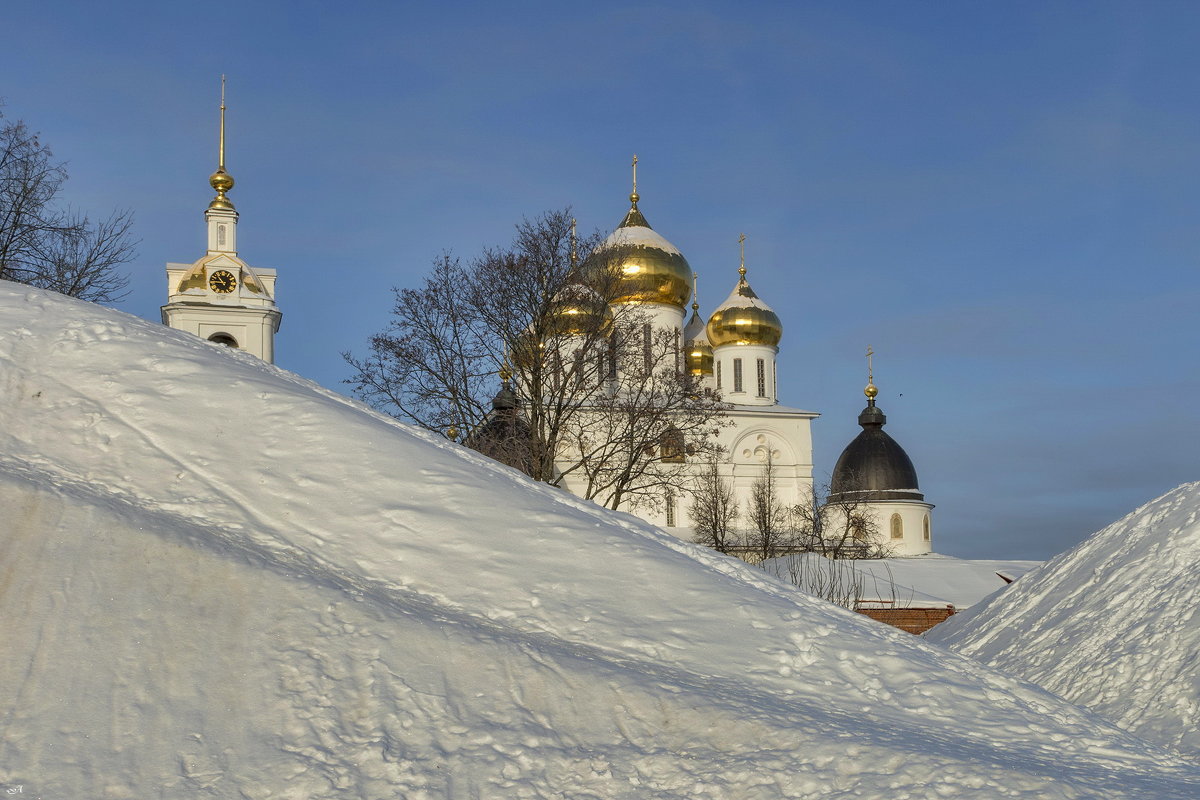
(1111,625)
(220,580)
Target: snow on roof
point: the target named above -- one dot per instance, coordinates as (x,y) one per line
(958,581)
(1111,624)
(221,579)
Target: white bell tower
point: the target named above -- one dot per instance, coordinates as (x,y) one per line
(221,298)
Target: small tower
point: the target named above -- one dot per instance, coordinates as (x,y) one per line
(874,479)
(744,333)
(698,352)
(220,297)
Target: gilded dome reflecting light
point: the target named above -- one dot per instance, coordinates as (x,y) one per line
(647,268)
(744,319)
(699,356)
(578,311)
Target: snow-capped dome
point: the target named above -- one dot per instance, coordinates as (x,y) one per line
(648,268)
(744,319)
(874,466)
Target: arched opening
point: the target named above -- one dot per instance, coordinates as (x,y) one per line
(925,527)
(897,527)
(223,338)
(671,445)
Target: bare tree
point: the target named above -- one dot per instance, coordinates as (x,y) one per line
(631,448)
(838,526)
(834,580)
(772,531)
(597,403)
(714,509)
(47,246)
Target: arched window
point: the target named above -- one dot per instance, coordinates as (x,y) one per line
(669,501)
(737,375)
(925,527)
(671,445)
(897,527)
(223,338)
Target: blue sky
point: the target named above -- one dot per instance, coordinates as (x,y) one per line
(1000,198)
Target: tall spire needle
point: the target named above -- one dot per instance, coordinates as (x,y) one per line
(221,155)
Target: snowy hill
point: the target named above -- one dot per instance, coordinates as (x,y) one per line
(220,580)
(1111,624)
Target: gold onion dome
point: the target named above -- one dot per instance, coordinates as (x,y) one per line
(744,319)
(646,267)
(578,311)
(699,351)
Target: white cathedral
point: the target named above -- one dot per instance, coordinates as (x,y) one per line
(221,298)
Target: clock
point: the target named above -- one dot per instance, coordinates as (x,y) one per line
(222,281)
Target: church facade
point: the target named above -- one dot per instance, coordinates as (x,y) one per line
(733,352)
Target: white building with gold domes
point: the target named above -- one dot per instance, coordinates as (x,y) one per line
(733,352)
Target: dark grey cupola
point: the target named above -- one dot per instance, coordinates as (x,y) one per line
(874,467)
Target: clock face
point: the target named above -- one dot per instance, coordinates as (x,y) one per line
(222,281)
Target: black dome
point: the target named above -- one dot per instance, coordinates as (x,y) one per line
(874,466)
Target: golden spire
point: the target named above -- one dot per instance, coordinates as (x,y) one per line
(742,248)
(695,292)
(505,371)
(574,252)
(221,180)
(633,197)
(871,389)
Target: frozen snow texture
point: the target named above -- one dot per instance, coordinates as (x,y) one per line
(220,580)
(1111,625)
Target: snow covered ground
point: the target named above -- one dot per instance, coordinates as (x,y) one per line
(220,580)
(1112,624)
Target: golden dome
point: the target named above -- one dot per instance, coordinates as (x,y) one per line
(699,354)
(699,358)
(744,319)
(578,311)
(646,267)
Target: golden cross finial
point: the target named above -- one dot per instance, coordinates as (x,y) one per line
(871,391)
(695,292)
(221,154)
(742,248)
(635,173)
(574,254)
(505,372)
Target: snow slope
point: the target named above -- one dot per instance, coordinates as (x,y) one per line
(220,580)
(1111,624)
